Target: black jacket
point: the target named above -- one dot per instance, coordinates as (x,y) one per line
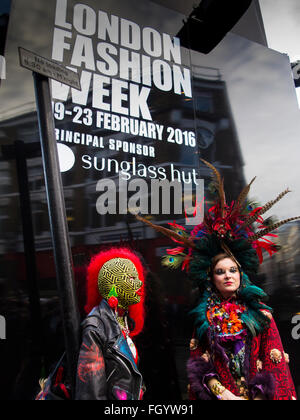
(106,368)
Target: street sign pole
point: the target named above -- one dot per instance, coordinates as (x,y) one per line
(44,69)
(58,223)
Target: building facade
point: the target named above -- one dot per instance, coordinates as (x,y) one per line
(147,111)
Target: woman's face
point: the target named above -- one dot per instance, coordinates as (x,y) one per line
(226,277)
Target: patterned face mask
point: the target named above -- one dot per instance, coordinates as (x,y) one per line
(121,274)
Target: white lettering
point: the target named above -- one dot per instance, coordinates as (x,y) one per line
(182,81)
(87,160)
(138,203)
(108,66)
(85,20)
(116,79)
(162,75)
(61,14)
(106,203)
(59,44)
(99,92)
(83,53)
(152,42)
(118,97)
(108,29)
(80,97)
(171,48)
(130,65)
(138,102)
(165,188)
(130,35)
(296,329)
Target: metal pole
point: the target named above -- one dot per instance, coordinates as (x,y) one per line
(29,245)
(58,224)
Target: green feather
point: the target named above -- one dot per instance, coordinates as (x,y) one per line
(252,295)
(199,314)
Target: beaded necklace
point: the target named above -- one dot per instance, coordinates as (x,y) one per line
(123,323)
(224,316)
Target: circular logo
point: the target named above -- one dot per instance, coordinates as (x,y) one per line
(66,157)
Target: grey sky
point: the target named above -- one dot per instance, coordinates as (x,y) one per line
(264,105)
(281,19)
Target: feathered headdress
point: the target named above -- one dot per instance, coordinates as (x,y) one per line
(226,228)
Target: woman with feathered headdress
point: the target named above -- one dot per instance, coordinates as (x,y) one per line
(236,350)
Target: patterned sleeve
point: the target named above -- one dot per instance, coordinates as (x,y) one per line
(91,376)
(273,362)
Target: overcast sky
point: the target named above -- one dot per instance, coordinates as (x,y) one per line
(281,20)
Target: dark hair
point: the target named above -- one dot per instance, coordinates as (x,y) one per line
(217,258)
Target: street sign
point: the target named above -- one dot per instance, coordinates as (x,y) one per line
(43,70)
(48,68)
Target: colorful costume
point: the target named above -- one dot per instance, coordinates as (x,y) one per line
(245,365)
(235,340)
(108,359)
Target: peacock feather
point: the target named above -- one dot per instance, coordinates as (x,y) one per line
(173,261)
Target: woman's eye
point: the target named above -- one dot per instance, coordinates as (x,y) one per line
(219,272)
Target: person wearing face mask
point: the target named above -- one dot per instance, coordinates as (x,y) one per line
(108,359)
(236,350)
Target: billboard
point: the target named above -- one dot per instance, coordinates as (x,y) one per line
(147,111)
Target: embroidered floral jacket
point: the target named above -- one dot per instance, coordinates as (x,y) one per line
(266,370)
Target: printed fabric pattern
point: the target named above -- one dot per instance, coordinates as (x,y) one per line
(264,373)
